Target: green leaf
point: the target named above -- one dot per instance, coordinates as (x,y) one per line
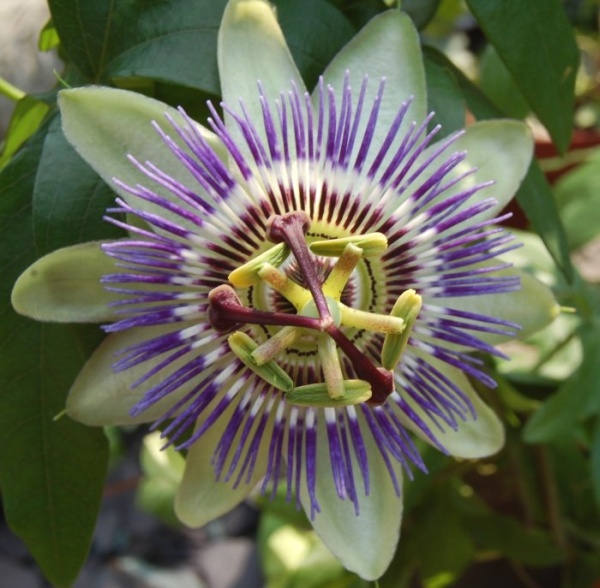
(445,98)
(296,558)
(439,518)
(499,85)
(537,201)
(537,44)
(108,40)
(560,412)
(535,196)
(493,532)
(163,470)
(69,198)
(315,31)
(49,38)
(25,120)
(51,472)
(578,198)
(421,11)
(595,460)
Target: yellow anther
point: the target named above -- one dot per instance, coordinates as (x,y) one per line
(296,294)
(407,307)
(247,274)
(379,323)
(371,244)
(242,346)
(342,270)
(355,392)
(330,364)
(272,347)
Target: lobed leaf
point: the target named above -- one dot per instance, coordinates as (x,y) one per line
(51,472)
(538,48)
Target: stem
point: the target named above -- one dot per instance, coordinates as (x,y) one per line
(551,499)
(11,92)
(380,379)
(291,229)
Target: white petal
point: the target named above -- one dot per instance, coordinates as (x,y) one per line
(499,151)
(365,544)
(252,49)
(64,286)
(532,307)
(100,396)
(387,47)
(105,125)
(201,498)
(475,437)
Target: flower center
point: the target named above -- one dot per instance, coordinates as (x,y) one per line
(319,312)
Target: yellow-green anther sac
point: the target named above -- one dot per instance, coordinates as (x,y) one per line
(272,347)
(242,345)
(371,244)
(330,365)
(296,294)
(247,275)
(355,392)
(340,273)
(379,323)
(407,307)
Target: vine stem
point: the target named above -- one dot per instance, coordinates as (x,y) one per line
(551,499)
(11,92)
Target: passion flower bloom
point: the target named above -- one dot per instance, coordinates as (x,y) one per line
(304,281)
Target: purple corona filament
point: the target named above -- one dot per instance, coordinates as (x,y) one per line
(307,173)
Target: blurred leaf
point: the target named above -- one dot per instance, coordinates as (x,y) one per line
(536,199)
(315,31)
(493,532)
(25,121)
(535,196)
(498,84)
(578,197)
(420,11)
(51,472)
(48,37)
(595,460)
(560,412)
(436,519)
(537,44)
(360,12)
(139,38)
(569,471)
(163,470)
(445,98)
(295,558)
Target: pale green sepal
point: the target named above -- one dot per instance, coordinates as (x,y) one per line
(251,49)
(532,307)
(354,392)
(64,286)
(364,544)
(105,125)
(475,437)
(387,47)
(499,151)
(100,396)
(200,497)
